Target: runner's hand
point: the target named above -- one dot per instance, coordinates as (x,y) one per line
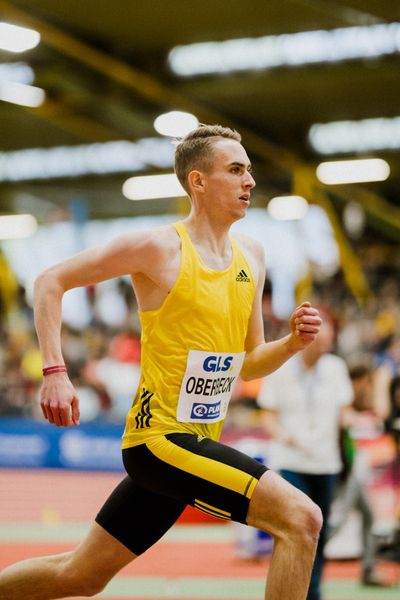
(58,400)
(305,324)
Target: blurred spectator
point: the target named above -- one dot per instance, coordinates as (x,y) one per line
(8,288)
(389,543)
(387,368)
(303,404)
(393,420)
(352,491)
(393,427)
(117,374)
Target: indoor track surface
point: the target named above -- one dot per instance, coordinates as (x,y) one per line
(46,512)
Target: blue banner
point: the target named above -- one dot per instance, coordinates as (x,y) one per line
(28,443)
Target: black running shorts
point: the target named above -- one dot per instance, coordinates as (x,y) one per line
(170,472)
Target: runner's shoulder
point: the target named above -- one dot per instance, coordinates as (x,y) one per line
(164,239)
(155,241)
(251,247)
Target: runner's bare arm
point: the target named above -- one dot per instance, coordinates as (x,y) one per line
(128,254)
(263,357)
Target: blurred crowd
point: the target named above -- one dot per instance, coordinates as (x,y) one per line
(104,360)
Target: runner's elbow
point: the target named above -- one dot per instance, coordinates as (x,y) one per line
(48,282)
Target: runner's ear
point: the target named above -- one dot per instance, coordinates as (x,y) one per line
(195,180)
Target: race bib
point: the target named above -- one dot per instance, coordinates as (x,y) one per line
(207,386)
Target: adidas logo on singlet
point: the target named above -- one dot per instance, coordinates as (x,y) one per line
(242,276)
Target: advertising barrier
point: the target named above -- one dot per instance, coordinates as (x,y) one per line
(27,443)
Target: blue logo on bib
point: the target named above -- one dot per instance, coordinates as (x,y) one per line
(214,364)
(205,411)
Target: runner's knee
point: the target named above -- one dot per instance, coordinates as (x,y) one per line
(302,518)
(303,524)
(308,521)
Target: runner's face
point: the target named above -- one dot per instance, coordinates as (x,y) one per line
(229,182)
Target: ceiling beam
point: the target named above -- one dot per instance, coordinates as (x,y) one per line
(351,265)
(306,184)
(68,120)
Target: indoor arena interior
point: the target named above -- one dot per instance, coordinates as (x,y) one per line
(215,187)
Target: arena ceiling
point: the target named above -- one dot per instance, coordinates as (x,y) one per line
(104,68)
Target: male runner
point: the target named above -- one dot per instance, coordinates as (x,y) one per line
(199,295)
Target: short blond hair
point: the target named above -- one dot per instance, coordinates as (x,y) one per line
(194,151)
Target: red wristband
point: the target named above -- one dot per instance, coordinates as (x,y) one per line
(54,369)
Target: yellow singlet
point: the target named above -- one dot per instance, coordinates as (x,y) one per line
(192,349)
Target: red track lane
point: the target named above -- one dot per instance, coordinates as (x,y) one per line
(30,496)
(187,560)
(74,496)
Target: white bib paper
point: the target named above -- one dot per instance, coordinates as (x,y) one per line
(207,386)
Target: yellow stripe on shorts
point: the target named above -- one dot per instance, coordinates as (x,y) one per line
(222,514)
(211,512)
(201,466)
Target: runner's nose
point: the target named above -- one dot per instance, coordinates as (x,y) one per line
(250,182)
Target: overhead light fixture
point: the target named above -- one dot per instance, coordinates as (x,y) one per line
(19,72)
(175,123)
(293,49)
(288,208)
(17,39)
(17,226)
(353,171)
(86,159)
(22,94)
(153,186)
(355,136)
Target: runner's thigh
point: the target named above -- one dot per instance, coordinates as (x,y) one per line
(138,517)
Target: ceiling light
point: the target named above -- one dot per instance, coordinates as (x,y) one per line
(288,208)
(19,72)
(292,49)
(175,123)
(353,171)
(21,94)
(17,39)
(355,136)
(17,226)
(86,159)
(153,186)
